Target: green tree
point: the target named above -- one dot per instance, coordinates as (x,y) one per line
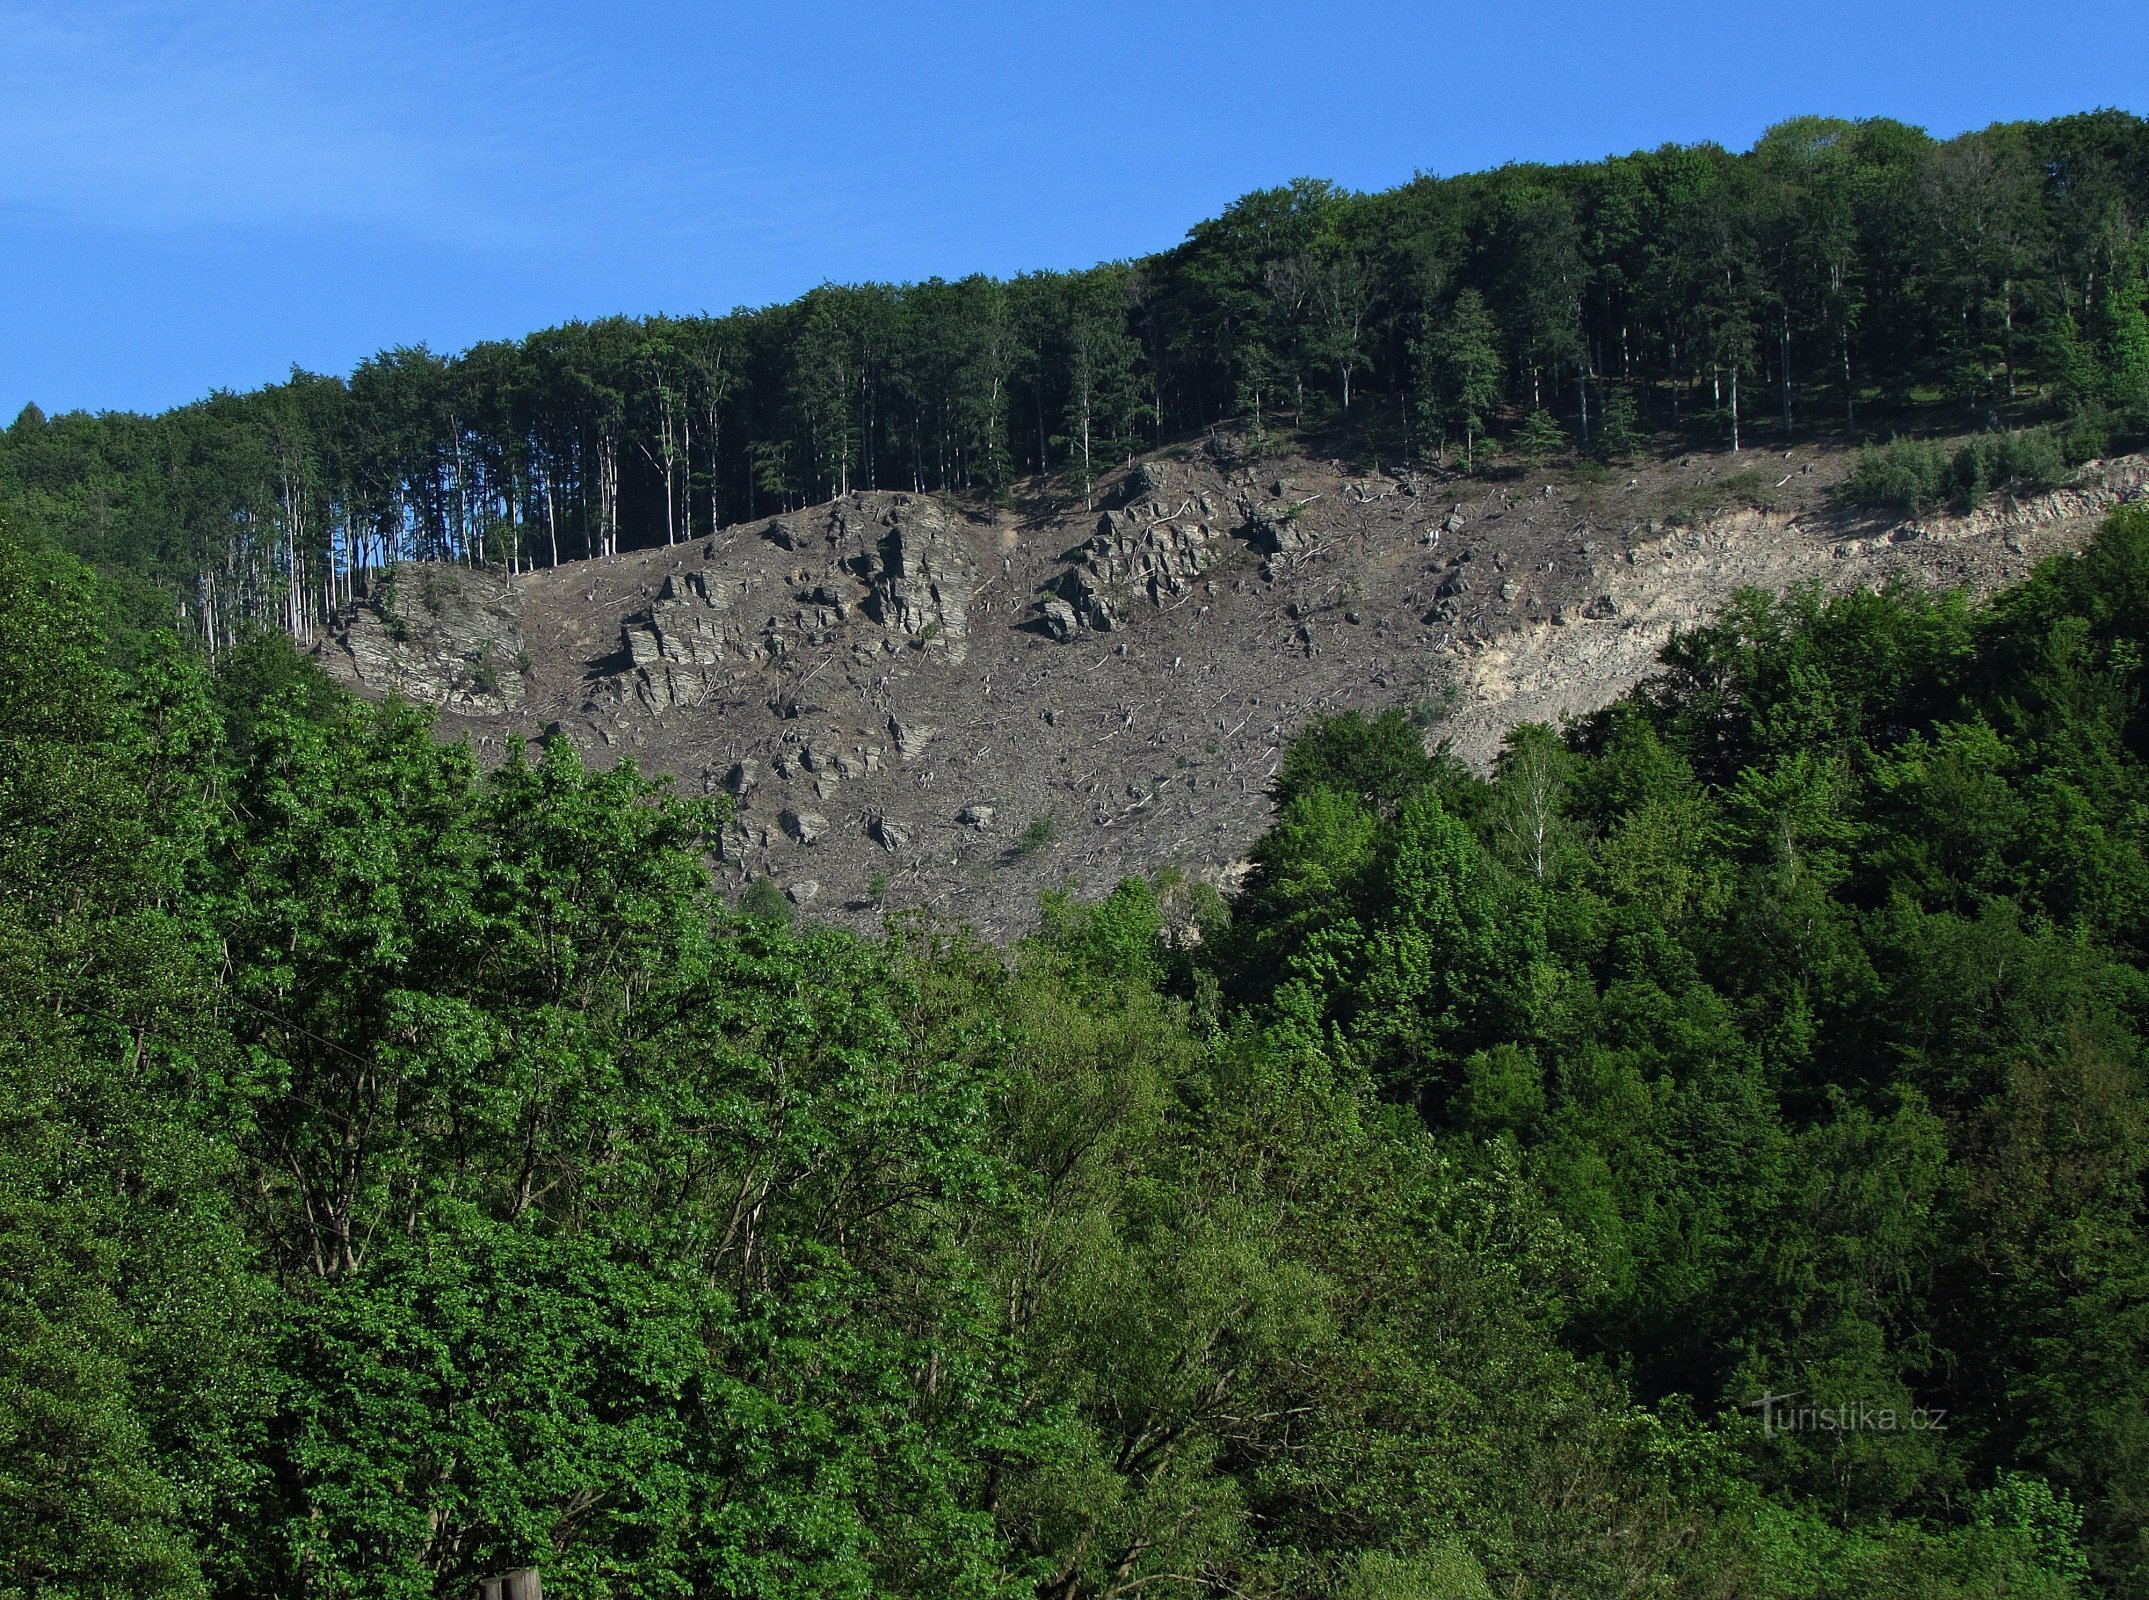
(1459,363)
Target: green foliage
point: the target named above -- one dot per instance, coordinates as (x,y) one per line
(1379,762)
(129,1390)
(1457,367)
(765,902)
(1038,833)
(1539,438)
(1546,1181)
(1619,427)
(1797,986)
(1908,476)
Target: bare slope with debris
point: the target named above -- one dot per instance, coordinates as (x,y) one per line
(916,704)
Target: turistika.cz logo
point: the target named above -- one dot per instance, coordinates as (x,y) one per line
(1781,1414)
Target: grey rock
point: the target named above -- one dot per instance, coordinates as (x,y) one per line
(685,632)
(802,892)
(1142,549)
(975,816)
(891,836)
(1273,531)
(911,738)
(923,579)
(743,778)
(438,633)
(804,826)
(1145,481)
(1059,617)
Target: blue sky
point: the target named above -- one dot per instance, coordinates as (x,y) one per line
(198,195)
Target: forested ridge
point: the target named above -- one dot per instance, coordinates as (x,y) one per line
(1703,1157)
(1853,277)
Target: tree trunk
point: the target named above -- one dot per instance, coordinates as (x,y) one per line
(2007,326)
(1787,375)
(552,520)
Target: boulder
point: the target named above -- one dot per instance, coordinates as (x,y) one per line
(804,826)
(911,738)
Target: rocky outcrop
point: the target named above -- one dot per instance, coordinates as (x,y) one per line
(804,826)
(896,564)
(924,578)
(687,630)
(436,633)
(1154,548)
(1087,602)
(1273,528)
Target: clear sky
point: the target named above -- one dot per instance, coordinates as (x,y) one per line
(197,195)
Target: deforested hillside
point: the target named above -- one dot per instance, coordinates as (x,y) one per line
(914,703)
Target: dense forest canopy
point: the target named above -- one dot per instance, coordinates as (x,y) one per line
(1705,1157)
(1838,275)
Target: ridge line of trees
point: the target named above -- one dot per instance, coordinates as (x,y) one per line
(1837,273)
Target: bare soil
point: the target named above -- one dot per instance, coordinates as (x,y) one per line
(923,704)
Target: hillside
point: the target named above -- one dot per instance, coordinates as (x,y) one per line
(1704,1158)
(917,704)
